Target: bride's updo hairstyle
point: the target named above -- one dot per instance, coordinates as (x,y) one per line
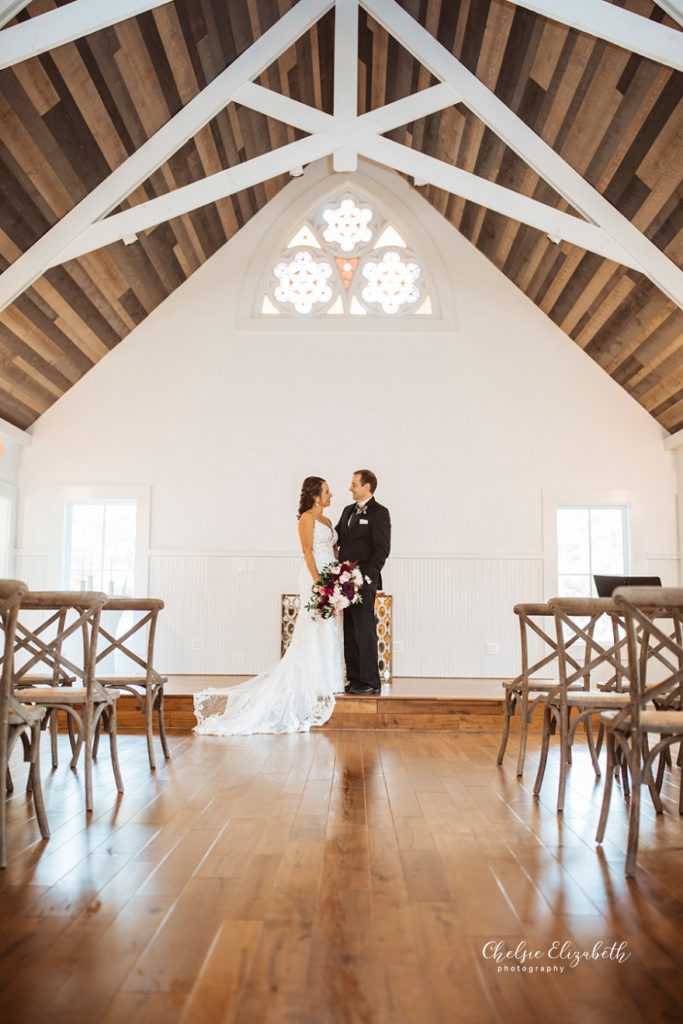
(310,490)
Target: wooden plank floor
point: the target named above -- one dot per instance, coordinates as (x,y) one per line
(333,878)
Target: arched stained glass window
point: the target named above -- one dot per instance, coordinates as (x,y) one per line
(347,260)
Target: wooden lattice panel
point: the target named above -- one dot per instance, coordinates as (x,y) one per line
(291,604)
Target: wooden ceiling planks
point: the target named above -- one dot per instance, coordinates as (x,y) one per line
(615,118)
(71,116)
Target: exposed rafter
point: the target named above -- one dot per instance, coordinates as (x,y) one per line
(328,137)
(674,8)
(174,134)
(63,25)
(10,8)
(345,75)
(529,146)
(607,21)
(557,225)
(343,135)
(200,193)
(358,134)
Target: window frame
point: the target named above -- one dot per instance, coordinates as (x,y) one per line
(86,494)
(626,551)
(293,206)
(554,498)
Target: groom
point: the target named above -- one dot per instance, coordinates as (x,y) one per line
(364,532)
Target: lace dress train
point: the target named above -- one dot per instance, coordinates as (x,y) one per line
(296,693)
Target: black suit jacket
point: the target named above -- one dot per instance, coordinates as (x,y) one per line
(368,541)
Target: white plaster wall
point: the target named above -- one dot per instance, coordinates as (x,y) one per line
(467,421)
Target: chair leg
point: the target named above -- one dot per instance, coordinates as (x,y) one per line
(87,733)
(96,739)
(523,733)
(600,739)
(509,712)
(625,784)
(4,754)
(634,809)
(650,779)
(545,743)
(54,737)
(162,726)
(72,739)
(588,726)
(37,784)
(149,727)
(111,726)
(661,766)
(565,754)
(609,782)
(27,744)
(9,785)
(76,745)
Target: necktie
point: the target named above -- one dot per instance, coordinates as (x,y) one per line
(356,512)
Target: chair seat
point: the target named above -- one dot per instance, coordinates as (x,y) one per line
(62,695)
(597,699)
(39,680)
(27,716)
(533,686)
(140,681)
(651,721)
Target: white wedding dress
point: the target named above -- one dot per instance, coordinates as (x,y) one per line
(298,692)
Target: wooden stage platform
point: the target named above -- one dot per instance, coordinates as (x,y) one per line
(468,705)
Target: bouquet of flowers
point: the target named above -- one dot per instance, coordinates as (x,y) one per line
(339,587)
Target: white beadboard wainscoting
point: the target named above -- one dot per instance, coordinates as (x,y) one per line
(223,611)
(452,614)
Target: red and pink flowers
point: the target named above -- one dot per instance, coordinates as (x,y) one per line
(338,588)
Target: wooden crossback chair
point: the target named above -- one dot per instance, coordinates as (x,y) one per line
(16,722)
(147,686)
(574,692)
(55,676)
(526,691)
(652,708)
(87,702)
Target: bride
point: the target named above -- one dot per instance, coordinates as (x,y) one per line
(298,692)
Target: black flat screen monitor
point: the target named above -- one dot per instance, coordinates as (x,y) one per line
(606,585)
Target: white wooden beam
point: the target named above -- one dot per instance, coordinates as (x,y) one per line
(537,153)
(199,193)
(63,25)
(554,223)
(309,119)
(283,108)
(607,21)
(174,134)
(674,8)
(411,108)
(329,136)
(10,8)
(345,97)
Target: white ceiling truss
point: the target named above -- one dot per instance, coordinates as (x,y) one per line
(344,135)
(674,8)
(10,8)
(63,25)
(607,21)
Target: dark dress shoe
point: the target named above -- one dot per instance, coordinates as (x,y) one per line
(362,688)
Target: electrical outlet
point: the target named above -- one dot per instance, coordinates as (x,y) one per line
(198,644)
(238,659)
(492,648)
(397,646)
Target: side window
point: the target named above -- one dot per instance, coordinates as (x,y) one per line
(590,540)
(101,546)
